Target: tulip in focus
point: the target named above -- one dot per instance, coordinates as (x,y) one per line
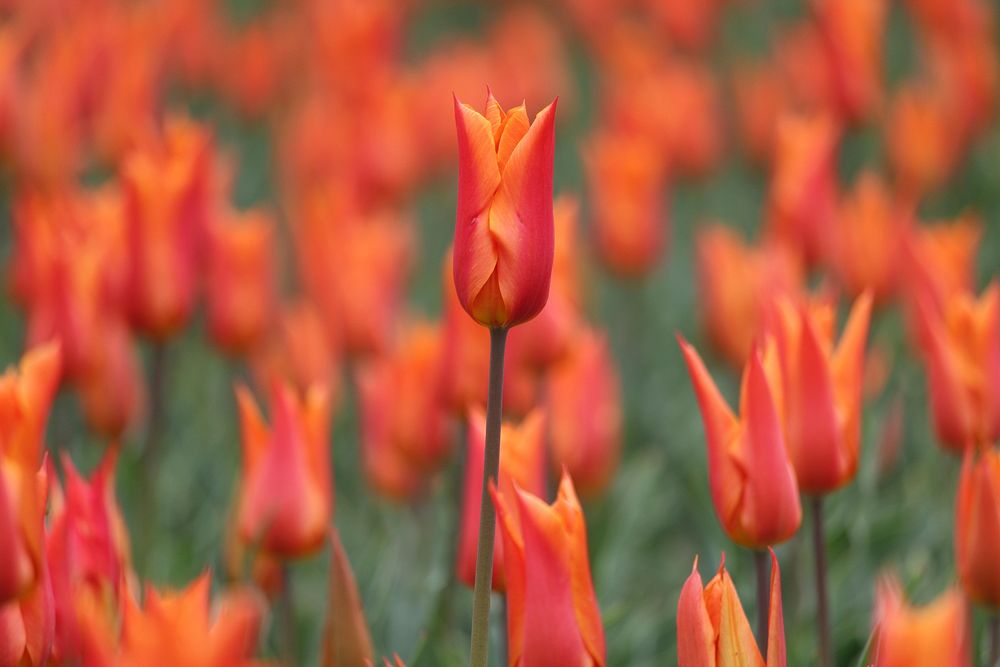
(522,462)
(346,641)
(552,612)
(936,635)
(503,226)
(977,527)
(286,493)
(752,480)
(712,628)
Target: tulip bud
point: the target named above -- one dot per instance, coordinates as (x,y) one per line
(286,494)
(346,641)
(752,481)
(932,636)
(977,527)
(552,612)
(712,628)
(112,388)
(920,139)
(503,225)
(585,412)
(522,462)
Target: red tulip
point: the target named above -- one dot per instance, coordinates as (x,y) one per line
(920,139)
(932,636)
(752,481)
(977,526)
(503,226)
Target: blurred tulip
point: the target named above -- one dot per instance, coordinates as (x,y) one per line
(286,495)
(346,641)
(504,228)
(585,412)
(822,386)
(692,25)
(240,283)
(977,526)
(112,388)
(404,435)
(941,259)
(961,351)
(920,140)
(891,437)
(752,480)
(712,628)
(931,636)
(552,612)
(803,192)
(758,93)
(522,462)
(626,179)
(736,281)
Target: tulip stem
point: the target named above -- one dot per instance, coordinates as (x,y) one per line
(822,604)
(150,455)
(762,567)
(487,514)
(994,625)
(287,611)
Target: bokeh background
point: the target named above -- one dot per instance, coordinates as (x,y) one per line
(656,515)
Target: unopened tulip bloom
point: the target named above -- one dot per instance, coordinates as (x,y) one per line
(346,641)
(712,628)
(961,350)
(936,635)
(522,461)
(921,143)
(977,527)
(240,283)
(552,612)
(286,494)
(503,225)
(111,388)
(941,259)
(822,386)
(585,413)
(752,481)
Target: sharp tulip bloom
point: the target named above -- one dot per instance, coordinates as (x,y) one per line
(752,481)
(286,494)
(977,527)
(504,233)
(932,636)
(346,641)
(585,413)
(552,612)
(712,628)
(522,462)
(822,387)
(961,350)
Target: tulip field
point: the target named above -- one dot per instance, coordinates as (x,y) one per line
(549,334)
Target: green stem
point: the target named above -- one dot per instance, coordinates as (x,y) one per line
(287,611)
(994,630)
(822,604)
(487,514)
(762,567)
(150,457)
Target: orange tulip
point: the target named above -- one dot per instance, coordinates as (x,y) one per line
(735,283)
(346,641)
(240,282)
(803,191)
(522,462)
(585,412)
(961,351)
(692,25)
(286,494)
(112,389)
(941,259)
(752,480)
(625,174)
(931,636)
(712,628)
(503,225)
(759,95)
(404,433)
(977,526)
(552,612)
(920,139)
(822,387)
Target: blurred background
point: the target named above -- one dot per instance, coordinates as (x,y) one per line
(313,143)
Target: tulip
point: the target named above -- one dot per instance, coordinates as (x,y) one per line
(712,628)
(691,24)
(941,259)
(403,419)
(752,480)
(286,493)
(735,282)
(240,281)
(932,636)
(759,94)
(522,462)
(626,181)
(585,412)
(552,612)
(961,352)
(503,225)
(111,388)
(346,641)
(920,140)
(977,527)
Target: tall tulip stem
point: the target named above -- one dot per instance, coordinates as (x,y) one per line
(487,514)
(822,604)
(994,630)
(762,566)
(150,455)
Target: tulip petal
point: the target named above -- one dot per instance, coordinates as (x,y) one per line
(977,529)
(736,645)
(695,633)
(775,619)
(952,417)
